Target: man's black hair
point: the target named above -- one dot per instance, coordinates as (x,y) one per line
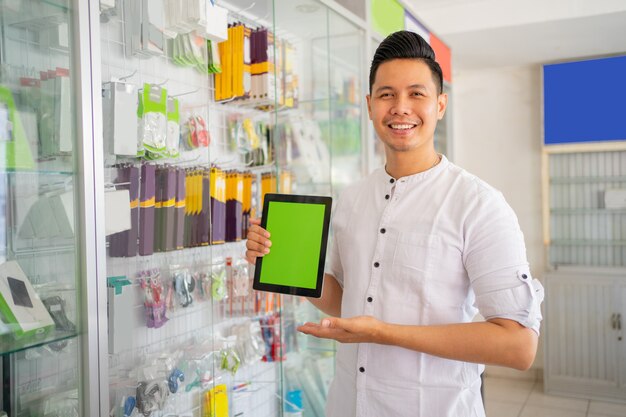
(406,45)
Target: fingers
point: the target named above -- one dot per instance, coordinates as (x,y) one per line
(255,228)
(319,331)
(258,243)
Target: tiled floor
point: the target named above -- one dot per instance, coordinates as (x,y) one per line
(525,398)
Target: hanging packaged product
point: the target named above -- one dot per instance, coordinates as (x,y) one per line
(228,359)
(56,306)
(146,205)
(238,35)
(290,79)
(223,81)
(154,299)
(197,209)
(116,211)
(165,210)
(143,29)
(234,202)
(250,345)
(247,61)
(180,204)
(153,114)
(196,132)
(48,141)
(15,147)
(189,50)
(63,121)
(218,280)
(151,396)
(246,137)
(201,16)
(191,208)
(173,380)
(119,105)
(121,301)
(183,284)
(280,71)
(216,28)
(240,284)
(190,214)
(286,182)
(124,244)
(268,185)
(213,58)
(247,202)
(6,127)
(215,402)
(311,153)
(159,196)
(218,206)
(204,222)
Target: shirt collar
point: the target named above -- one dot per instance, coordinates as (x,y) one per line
(420,176)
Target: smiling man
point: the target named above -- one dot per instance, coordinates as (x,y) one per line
(420,246)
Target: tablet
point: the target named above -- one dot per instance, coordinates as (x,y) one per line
(298,226)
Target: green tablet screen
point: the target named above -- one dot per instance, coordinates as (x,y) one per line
(296,233)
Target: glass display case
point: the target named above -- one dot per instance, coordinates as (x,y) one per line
(138,139)
(586,217)
(40,272)
(266,98)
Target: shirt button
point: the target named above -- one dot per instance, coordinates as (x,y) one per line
(524,276)
(376,264)
(392,180)
(387,197)
(382,230)
(370,299)
(361,369)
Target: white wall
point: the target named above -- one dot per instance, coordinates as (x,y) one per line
(497,136)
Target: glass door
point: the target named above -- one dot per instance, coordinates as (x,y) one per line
(40,270)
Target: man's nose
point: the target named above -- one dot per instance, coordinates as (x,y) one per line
(401,106)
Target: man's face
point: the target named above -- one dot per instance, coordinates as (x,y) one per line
(404,106)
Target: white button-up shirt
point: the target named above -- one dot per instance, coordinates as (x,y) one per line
(431,248)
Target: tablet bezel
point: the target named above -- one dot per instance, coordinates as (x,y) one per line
(283,289)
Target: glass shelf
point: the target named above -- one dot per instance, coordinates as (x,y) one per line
(9,345)
(586,180)
(36,172)
(319,349)
(587,242)
(587,211)
(44,249)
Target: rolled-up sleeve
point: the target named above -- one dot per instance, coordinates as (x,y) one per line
(495,259)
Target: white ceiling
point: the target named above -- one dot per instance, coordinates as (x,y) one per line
(495,33)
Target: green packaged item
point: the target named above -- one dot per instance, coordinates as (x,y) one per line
(13,141)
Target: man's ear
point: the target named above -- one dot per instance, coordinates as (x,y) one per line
(442,104)
(368,98)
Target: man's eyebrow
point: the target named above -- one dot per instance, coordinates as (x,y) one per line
(386,87)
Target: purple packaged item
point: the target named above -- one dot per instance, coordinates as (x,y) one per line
(146,207)
(180,209)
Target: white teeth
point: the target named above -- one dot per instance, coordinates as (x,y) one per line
(401,126)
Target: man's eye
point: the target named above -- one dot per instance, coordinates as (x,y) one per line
(417,94)
(385,95)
